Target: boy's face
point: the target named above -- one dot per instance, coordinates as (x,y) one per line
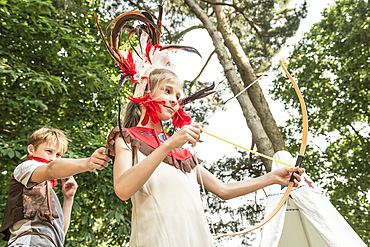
(46,150)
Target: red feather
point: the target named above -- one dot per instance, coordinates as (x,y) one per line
(151,107)
(180,118)
(147,50)
(129,68)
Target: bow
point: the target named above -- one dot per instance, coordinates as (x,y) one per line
(298,162)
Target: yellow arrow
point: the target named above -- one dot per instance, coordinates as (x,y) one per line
(262,155)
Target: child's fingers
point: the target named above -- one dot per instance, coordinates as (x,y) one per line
(103,157)
(187,134)
(99,163)
(196,130)
(101,154)
(68,182)
(297,176)
(193,136)
(103,151)
(193,141)
(66,179)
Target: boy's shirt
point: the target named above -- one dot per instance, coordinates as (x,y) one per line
(22,174)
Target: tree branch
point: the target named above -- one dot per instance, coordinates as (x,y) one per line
(205,65)
(241,11)
(356,132)
(224,4)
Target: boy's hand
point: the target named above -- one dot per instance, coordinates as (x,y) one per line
(69,187)
(98,160)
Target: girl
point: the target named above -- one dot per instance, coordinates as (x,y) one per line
(167,209)
(161,178)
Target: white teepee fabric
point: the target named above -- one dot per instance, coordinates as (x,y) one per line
(308,219)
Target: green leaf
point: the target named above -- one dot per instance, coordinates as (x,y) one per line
(11,154)
(84,220)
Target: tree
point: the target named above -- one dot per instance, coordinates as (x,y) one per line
(236,58)
(55,72)
(331,64)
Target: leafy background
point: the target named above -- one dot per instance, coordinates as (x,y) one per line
(55,72)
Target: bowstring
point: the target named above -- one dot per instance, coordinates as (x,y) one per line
(204,192)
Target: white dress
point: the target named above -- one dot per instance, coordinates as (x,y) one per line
(167,211)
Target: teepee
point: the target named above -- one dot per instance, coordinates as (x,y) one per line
(308,219)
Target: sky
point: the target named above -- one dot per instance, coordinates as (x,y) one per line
(231,124)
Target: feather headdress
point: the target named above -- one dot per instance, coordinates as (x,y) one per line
(137,63)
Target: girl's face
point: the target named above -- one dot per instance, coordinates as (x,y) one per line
(169,92)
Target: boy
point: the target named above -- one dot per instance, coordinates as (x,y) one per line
(33,215)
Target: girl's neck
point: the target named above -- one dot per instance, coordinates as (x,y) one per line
(149,125)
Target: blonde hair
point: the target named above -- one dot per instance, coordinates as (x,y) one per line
(49,135)
(132,111)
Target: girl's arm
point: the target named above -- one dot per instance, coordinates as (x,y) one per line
(128,179)
(235,189)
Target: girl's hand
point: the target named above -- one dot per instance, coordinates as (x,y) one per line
(187,134)
(282,176)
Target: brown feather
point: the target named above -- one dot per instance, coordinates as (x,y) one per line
(114,55)
(127,28)
(138,12)
(131,33)
(198,95)
(181,47)
(124,18)
(152,32)
(159,22)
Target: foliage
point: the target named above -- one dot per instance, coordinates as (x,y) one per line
(270,24)
(240,213)
(55,72)
(331,64)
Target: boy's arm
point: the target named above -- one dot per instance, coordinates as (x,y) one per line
(63,168)
(69,187)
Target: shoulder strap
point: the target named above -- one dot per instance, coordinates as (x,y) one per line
(33,233)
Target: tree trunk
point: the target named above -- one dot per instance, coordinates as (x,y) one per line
(248,76)
(260,137)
